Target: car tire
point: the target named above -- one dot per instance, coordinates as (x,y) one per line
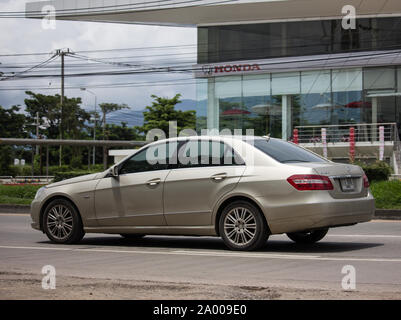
(308,237)
(62,223)
(242,226)
(132,236)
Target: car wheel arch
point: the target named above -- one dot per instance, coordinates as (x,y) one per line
(224,203)
(49,200)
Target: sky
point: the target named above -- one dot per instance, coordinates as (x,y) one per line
(27,36)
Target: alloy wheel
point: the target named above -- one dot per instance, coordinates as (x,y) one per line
(240,226)
(60,222)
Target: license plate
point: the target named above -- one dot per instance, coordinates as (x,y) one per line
(347,184)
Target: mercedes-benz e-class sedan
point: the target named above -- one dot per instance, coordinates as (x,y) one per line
(242,189)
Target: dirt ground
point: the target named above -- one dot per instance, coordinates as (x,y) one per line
(28,286)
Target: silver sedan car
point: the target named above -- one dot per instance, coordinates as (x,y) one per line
(243,189)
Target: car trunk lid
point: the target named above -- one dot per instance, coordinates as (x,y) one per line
(347,179)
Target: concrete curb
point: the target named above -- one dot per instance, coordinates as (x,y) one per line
(383,214)
(388,214)
(14,208)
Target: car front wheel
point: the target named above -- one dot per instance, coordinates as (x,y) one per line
(61,222)
(242,226)
(308,237)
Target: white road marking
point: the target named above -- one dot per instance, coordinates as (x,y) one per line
(364,235)
(213,254)
(35,248)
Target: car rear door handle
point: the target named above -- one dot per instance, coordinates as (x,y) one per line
(219,176)
(153,182)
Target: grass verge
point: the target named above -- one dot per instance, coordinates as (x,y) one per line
(22,194)
(387,194)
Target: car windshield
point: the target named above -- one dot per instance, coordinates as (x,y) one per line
(285,152)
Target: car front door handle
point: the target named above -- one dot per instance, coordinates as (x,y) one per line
(153,182)
(219,177)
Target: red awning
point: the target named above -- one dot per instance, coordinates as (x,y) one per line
(234,112)
(358,104)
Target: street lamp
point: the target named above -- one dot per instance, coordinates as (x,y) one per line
(94,129)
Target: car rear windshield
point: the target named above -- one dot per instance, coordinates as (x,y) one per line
(285,152)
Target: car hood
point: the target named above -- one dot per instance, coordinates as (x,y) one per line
(86,177)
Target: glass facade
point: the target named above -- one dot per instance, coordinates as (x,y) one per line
(274,103)
(299,38)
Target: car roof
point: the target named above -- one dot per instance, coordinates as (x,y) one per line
(211,137)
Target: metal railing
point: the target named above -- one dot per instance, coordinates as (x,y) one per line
(364,132)
(33,179)
(397,152)
(26,179)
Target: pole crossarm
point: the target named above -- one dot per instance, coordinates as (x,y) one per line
(57,142)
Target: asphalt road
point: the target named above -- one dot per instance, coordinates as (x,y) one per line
(373,248)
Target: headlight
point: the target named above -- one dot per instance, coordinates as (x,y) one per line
(40,193)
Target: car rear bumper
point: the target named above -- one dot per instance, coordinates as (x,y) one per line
(326,213)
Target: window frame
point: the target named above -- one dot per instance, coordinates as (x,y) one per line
(168,165)
(209,165)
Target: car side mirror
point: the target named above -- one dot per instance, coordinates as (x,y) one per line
(114,171)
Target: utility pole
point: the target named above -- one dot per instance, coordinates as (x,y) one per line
(104,148)
(37,124)
(62,53)
(94,129)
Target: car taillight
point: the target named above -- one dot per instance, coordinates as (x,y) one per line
(303,182)
(365,181)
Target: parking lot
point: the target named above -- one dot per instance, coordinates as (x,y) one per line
(161,267)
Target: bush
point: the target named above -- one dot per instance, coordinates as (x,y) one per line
(53,170)
(377,171)
(13,171)
(76,162)
(60,176)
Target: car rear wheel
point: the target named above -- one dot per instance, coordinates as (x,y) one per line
(62,223)
(243,227)
(308,237)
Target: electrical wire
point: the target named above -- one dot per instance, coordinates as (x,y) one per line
(29,70)
(114,9)
(191,68)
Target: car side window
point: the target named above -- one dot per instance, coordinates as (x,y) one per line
(207,153)
(161,156)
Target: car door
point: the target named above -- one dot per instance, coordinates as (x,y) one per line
(135,197)
(191,190)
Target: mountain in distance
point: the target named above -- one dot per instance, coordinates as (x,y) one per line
(135,117)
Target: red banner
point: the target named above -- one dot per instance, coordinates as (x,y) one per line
(352,144)
(295,140)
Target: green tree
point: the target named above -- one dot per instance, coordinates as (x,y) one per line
(107,108)
(121,132)
(11,126)
(163,111)
(74,122)
(49,110)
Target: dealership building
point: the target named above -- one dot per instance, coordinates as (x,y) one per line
(279,65)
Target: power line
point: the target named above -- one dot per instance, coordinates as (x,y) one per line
(191,68)
(133,6)
(30,69)
(104,50)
